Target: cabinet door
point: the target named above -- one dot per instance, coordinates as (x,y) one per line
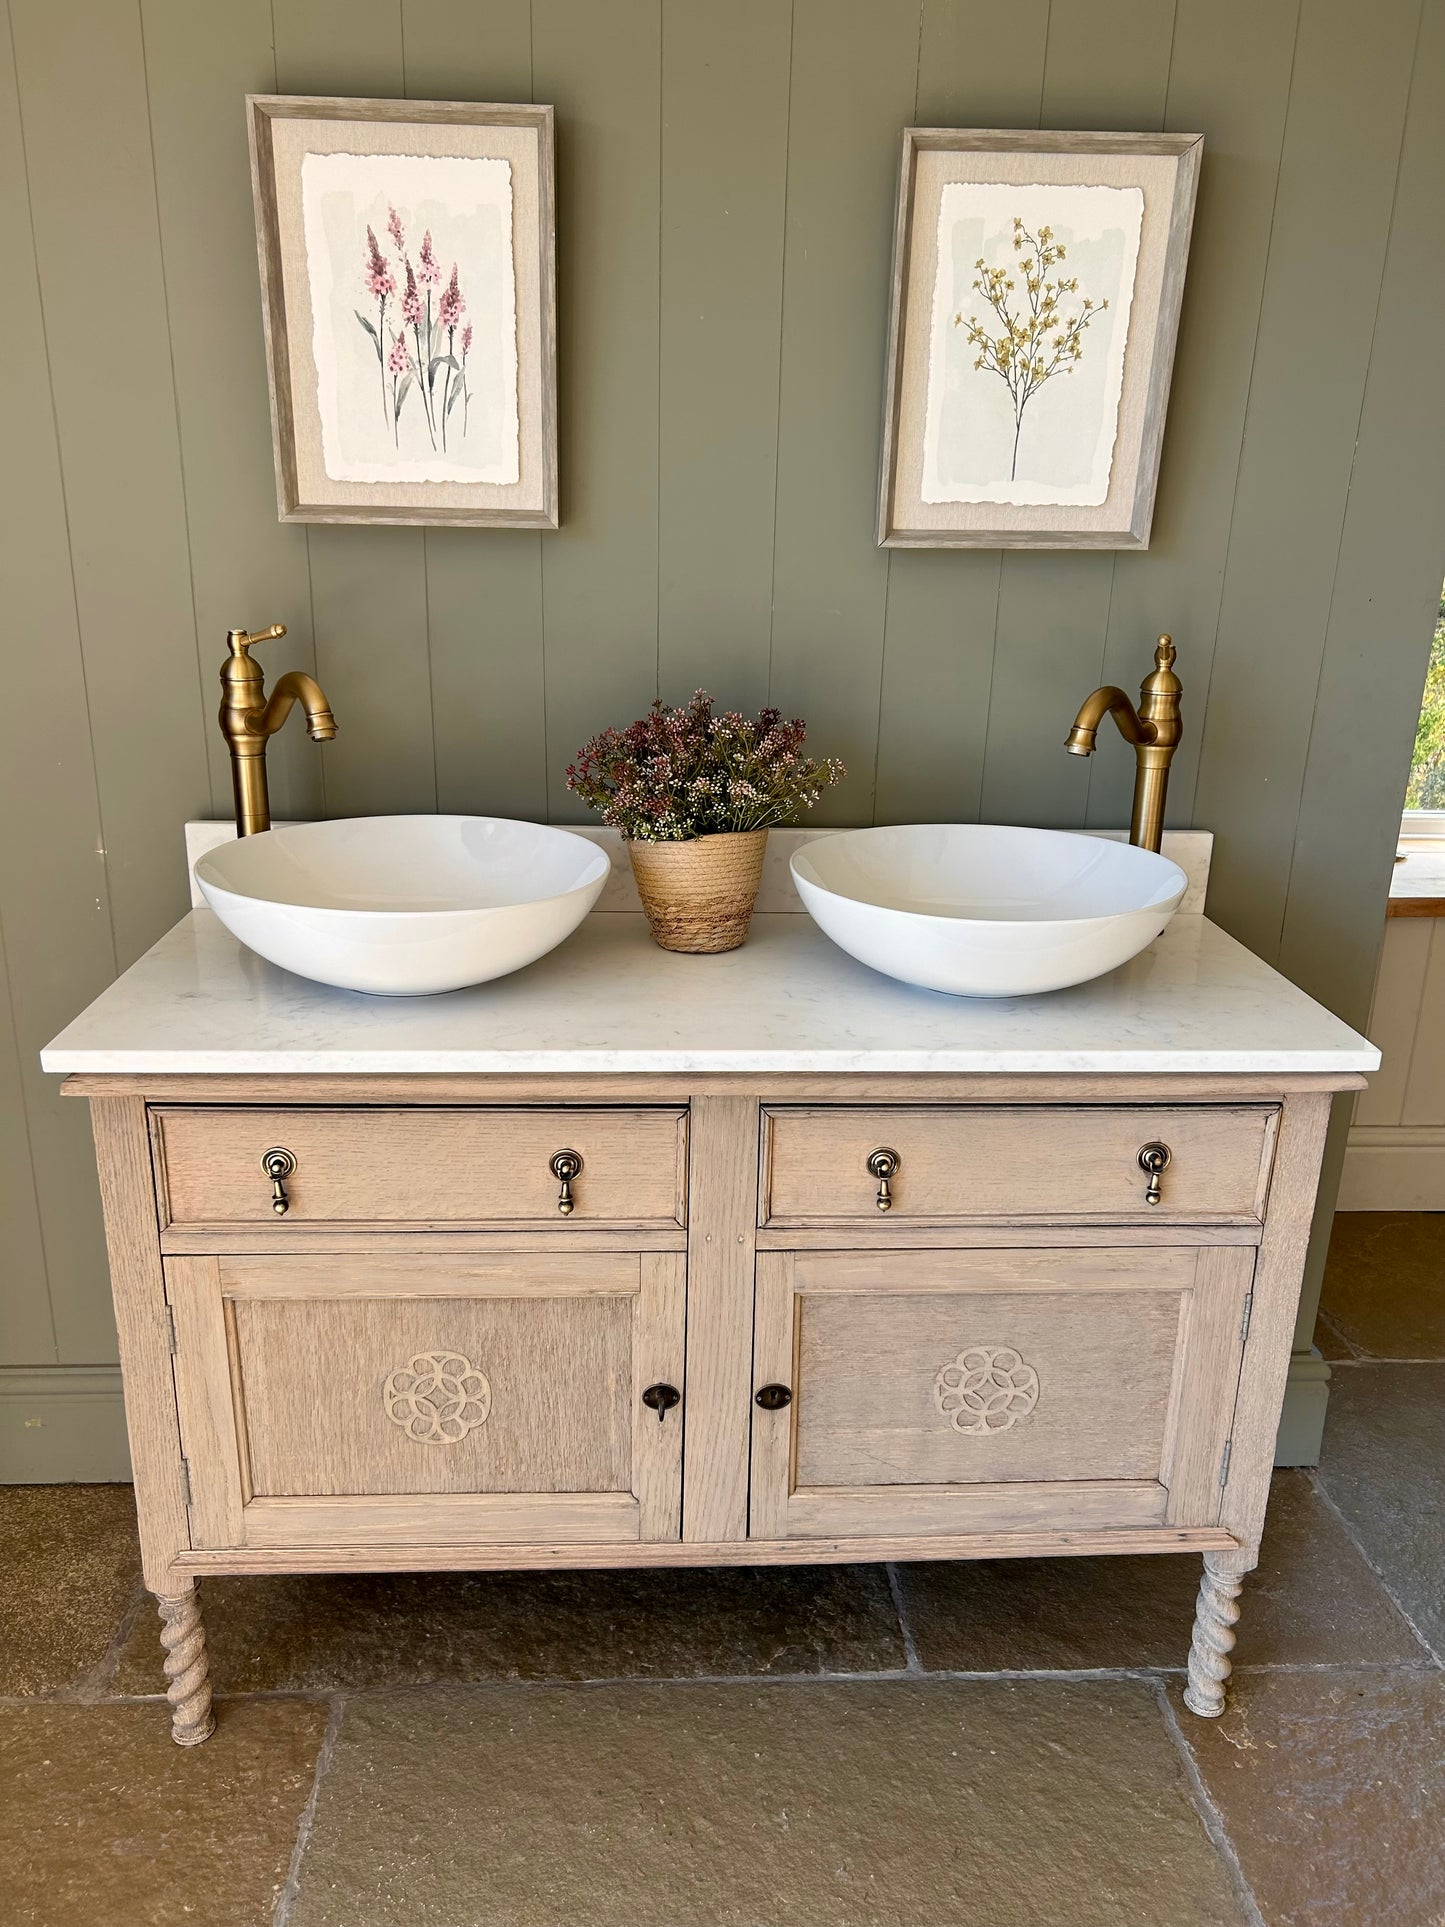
(351,1402)
(993,1391)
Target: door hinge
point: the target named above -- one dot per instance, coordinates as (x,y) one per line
(171,1330)
(1248,1314)
(1224,1462)
(186,1479)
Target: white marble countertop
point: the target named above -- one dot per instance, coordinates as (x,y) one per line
(609,1000)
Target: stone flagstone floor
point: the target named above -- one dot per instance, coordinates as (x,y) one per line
(834,1747)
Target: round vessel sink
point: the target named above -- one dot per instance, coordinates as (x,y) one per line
(404,906)
(982,910)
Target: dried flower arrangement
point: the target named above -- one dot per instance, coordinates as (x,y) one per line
(680,773)
(694,794)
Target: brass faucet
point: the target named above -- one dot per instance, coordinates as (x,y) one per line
(248,721)
(1153,728)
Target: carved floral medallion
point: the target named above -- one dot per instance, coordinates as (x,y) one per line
(986,1389)
(437,1397)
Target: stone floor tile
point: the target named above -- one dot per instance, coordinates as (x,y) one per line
(69,1568)
(1383,1465)
(1312,1600)
(822,1804)
(1332,1789)
(1384,1287)
(104,1820)
(1327,1341)
(300,1634)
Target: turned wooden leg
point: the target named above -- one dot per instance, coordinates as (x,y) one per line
(1215,1618)
(187,1668)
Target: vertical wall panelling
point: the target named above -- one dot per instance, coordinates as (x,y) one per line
(83,97)
(724,174)
(1316,327)
(368,586)
(1106,65)
(54,913)
(483,586)
(1229,80)
(247,570)
(726,190)
(1384,588)
(978,66)
(854,76)
(601,69)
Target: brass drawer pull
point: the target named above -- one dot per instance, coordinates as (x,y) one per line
(773,1398)
(565,1166)
(882,1164)
(661,1399)
(1154,1160)
(278,1163)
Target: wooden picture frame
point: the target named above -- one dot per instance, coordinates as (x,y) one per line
(985,443)
(408,293)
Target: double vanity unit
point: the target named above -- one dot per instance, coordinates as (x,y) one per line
(638,1259)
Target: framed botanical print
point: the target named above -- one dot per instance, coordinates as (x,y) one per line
(408,277)
(1037,281)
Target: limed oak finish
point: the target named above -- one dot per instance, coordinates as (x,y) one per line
(719,1340)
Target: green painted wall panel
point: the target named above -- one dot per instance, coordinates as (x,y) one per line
(724,70)
(854,75)
(1310,363)
(726,189)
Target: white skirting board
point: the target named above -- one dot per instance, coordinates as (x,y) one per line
(1394,1168)
(62,1425)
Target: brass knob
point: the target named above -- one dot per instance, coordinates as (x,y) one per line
(1154,1161)
(278,1163)
(882,1164)
(661,1399)
(565,1166)
(773,1398)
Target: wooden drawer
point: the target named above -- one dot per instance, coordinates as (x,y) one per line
(952,1392)
(338,1401)
(1021,1164)
(432,1167)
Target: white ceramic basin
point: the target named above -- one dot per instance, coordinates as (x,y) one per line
(404,906)
(985,911)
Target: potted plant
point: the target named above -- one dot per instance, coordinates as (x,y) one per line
(694,794)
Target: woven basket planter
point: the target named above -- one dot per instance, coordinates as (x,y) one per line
(699,895)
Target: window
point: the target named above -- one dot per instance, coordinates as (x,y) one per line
(1425,793)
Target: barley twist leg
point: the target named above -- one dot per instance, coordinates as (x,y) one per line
(187,1669)
(1215,1618)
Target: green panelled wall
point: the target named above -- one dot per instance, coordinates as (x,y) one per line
(726,176)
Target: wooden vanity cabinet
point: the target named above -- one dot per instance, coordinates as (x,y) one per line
(721,1338)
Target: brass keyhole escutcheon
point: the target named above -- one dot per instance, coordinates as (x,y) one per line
(1154,1161)
(661,1399)
(278,1163)
(773,1398)
(882,1164)
(565,1167)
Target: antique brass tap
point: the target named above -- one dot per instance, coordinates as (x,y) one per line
(1153,728)
(248,721)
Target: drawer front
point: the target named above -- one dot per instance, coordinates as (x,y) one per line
(332,1401)
(421,1167)
(957,1165)
(948,1392)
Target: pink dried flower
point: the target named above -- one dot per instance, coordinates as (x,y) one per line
(398,361)
(466,340)
(428,273)
(380,280)
(686,772)
(411,300)
(394,228)
(449,312)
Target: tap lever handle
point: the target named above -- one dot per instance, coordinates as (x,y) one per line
(241,640)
